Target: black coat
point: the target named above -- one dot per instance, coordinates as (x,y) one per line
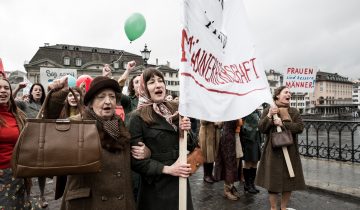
(157,190)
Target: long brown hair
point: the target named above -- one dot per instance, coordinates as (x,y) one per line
(147,113)
(65,112)
(20,115)
(131,89)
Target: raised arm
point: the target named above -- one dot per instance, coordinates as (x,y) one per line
(59,91)
(18,88)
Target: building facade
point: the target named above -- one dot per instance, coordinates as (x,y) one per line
(275,79)
(88,61)
(356,93)
(332,95)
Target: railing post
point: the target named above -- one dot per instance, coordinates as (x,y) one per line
(353,146)
(340,156)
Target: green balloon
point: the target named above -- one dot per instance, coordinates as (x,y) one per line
(135,26)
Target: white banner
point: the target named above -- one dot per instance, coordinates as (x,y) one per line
(300,79)
(221,78)
(47,75)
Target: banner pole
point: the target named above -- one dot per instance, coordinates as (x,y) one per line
(286,153)
(182,159)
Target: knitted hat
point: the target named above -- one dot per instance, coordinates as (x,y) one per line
(98,84)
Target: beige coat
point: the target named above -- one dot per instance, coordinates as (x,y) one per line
(209,137)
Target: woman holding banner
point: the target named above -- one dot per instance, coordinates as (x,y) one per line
(272,172)
(155,123)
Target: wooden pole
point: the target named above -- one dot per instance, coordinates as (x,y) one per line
(183,181)
(286,153)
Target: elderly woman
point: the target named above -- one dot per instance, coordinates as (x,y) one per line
(110,188)
(155,123)
(12,121)
(272,172)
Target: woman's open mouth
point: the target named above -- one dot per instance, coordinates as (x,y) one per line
(158,92)
(107,108)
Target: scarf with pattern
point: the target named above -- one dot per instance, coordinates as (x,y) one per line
(110,127)
(160,108)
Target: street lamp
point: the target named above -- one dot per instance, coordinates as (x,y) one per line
(145,54)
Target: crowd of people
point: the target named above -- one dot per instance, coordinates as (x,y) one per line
(139,153)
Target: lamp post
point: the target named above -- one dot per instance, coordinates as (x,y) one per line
(145,54)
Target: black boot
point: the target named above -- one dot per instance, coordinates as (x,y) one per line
(208,168)
(247,185)
(253,175)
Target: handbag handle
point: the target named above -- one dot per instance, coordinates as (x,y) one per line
(46,101)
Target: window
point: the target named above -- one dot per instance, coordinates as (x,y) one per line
(66,61)
(171,74)
(116,65)
(125,64)
(78,62)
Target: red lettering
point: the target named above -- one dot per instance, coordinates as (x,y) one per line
(246,70)
(253,64)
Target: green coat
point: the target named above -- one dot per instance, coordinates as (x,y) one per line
(272,172)
(157,190)
(250,137)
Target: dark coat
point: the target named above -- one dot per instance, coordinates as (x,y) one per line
(225,163)
(109,189)
(157,190)
(129,103)
(272,172)
(250,137)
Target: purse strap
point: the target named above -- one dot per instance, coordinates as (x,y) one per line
(46,101)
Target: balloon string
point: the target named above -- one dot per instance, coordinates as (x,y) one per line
(122,53)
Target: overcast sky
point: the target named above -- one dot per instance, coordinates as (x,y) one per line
(302,33)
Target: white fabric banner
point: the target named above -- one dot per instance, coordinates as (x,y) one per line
(221,78)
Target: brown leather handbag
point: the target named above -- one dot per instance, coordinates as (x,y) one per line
(53,147)
(281,139)
(195,159)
